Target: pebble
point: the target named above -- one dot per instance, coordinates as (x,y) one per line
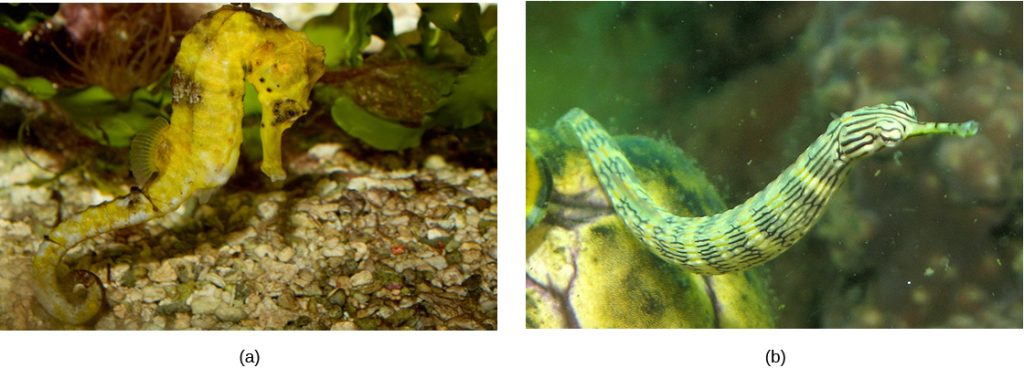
(262,250)
(471,256)
(120,270)
(204,304)
(359,300)
(463,324)
(170,307)
(287,300)
(301,220)
(437,262)
(435,163)
(286,254)
(364,183)
(361,278)
(451,276)
(277,319)
(362,251)
(230,250)
(344,326)
(203,322)
(241,236)
(337,298)
(326,187)
(343,282)
(442,310)
(181,321)
(152,294)
(106,322)
(228,313)
(281,271)
(119,311)
(332,249)
(156,324)
(399,221)
(266,210)
(213,278)
(468,246)
(435,233)
(16,229)
(323,151)
(304,278)
(164,273)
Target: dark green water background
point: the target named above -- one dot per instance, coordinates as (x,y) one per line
(927,235)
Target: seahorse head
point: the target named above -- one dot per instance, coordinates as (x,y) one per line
(867,130)
(283,70)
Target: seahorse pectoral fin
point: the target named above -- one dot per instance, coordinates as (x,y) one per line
(148,152)
(270,136)
(73,297)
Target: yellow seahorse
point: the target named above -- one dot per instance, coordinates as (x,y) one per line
(198,150)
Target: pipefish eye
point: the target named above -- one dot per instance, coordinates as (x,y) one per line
(890,131)
(905,108)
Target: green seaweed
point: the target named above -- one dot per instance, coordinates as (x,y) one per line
(474,93)
(38,87)
(22,18)
(110,121)
(462,21)
(443,75)
(344,33)
(378,132)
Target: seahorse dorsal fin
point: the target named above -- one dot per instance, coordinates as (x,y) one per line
(144,151)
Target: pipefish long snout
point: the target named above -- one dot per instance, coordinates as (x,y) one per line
(771,221)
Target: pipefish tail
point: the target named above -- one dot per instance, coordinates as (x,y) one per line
(771,221)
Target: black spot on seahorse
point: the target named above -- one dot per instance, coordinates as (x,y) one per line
(286,110)
(184,89)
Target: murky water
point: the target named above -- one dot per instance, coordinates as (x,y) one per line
(925,235)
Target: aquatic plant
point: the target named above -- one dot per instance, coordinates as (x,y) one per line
(125,51)
(429,78)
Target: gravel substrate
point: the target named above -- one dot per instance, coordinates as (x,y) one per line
(342,245)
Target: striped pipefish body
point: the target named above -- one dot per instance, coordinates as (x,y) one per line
(772,220)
